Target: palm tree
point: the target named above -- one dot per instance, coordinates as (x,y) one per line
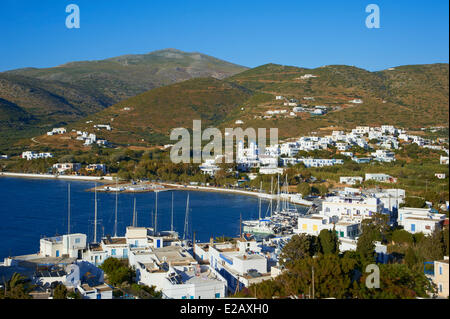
(18,287)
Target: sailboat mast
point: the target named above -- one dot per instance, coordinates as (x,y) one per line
(286,190)
(278,192)
(156,212)
(259,208)
(240,225)
(68,210)
(115,212)
(271,196)
(95,215)
(171,219)
(134,213)
(186,218)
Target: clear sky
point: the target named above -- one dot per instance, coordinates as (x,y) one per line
(307,33)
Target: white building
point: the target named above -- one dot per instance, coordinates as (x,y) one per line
(270,170)
(349,154)
(55,131)
(316,162)
(383,156)
(354,208)
(209,167)
(342,146)
(67,245)
(64,167)
(391,198)
(176,273)
(30,155)
(314,224)
(103,126)
(380,178)
(351,180)
(308,76)
(96,167)
(240,263)
(361,130)
(419,220)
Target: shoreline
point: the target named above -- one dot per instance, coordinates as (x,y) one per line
(169,186)
(235,191)
(105,179)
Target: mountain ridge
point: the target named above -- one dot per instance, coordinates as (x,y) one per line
(68,92)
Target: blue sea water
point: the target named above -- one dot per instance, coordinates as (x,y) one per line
(32,208)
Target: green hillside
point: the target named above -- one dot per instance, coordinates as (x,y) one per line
(152,115)
(64,94)
(10,113)
(407,96)
(126,76)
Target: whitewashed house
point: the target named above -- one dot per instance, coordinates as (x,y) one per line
(61,168)
(419,220)
(384,178)
(350,180)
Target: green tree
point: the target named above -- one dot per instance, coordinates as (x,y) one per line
(328,242)
(74,295)
(18,287)
(411,258)
(304,189)
(433,246)
(146,292)
(397,282)
(116,272)
(401,236)
(446,233)
(110,265)
(60,292)
(365,247)
(416,202)
(300,246)
(332,276)
(121,275)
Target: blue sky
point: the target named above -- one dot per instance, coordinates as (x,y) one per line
(246,32)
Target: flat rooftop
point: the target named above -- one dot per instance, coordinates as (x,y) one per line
(41,260)
(250,257)
(434,219)
(174,255)
(115,241)
(206,277)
